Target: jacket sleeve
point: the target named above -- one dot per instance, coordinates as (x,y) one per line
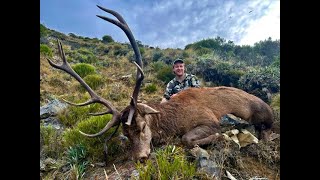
(195,81)
(168,93)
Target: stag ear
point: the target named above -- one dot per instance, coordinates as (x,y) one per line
(145,109)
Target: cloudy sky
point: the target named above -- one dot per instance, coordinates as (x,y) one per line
(167,23)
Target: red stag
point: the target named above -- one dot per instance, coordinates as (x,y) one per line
(193,114)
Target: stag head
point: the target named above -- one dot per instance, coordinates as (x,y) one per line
(132,111)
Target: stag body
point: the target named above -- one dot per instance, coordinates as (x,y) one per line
(194,116)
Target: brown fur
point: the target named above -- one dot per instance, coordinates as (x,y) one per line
(194,115)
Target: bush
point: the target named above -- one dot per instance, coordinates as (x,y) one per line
(51,142)
(107,39)
(222,73)
(76,157)
(165,74)
(202,51)
(83,69)
(94,146)
(157,66)
(70,116)
(93,80)
(275,102)
(85,56)
(157,55)
(170,163)
(150,88)
(43,31)
(261,82)
(46,50)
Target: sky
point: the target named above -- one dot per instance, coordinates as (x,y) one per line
(167,23)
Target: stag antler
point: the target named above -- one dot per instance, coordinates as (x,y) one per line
(124,26)
(94,97)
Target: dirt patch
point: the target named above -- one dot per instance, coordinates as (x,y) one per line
(120,170)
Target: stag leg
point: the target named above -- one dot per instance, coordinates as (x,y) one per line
(201,135)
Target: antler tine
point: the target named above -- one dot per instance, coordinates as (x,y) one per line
(94,97)
(117,15)
(134,97)
(100,113)
(140,76)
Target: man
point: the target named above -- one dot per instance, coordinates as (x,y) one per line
(180,82)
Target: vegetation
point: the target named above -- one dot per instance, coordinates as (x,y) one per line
(84,69)
(51,141)
(43,31)
(76,157)
(94,146)
(150,88)
(93,80)
(107,39)
(169,163)
(46,50)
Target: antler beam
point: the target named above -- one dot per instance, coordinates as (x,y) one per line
(94,97)
(140,76)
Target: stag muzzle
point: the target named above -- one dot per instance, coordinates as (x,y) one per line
(142,156)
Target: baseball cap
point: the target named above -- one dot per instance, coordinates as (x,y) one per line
(178,61)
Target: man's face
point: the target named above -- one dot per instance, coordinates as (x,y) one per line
(178,69)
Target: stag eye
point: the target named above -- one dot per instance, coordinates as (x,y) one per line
(144,126)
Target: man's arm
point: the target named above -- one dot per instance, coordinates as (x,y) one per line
(168,92)
(195,81)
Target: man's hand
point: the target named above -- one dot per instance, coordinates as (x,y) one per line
(163,100)
(173,95)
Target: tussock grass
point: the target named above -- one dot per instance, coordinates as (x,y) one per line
(46,50)
(83,69)
(150,88)
(51,141)
(77,159)
(94,81)
(70,116)
(94,146)
(169,163)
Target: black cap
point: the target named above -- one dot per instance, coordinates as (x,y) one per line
(178,61)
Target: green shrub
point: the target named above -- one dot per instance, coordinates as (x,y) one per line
(165,74)
(222,73)
(157,66)
(85,56)
(120,51)
(46,50)
(157,55)
(150,88)
(43,31)
(142,51)
(185,54)
(83,69)
(107,39)
(170,163)
(93,80)
(94,146)
(73,114)
(77,158)
(202,51)
(275,102)
(84,51)
(257,81)
(51,141)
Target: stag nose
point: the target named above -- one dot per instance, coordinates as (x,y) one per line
(143,159)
